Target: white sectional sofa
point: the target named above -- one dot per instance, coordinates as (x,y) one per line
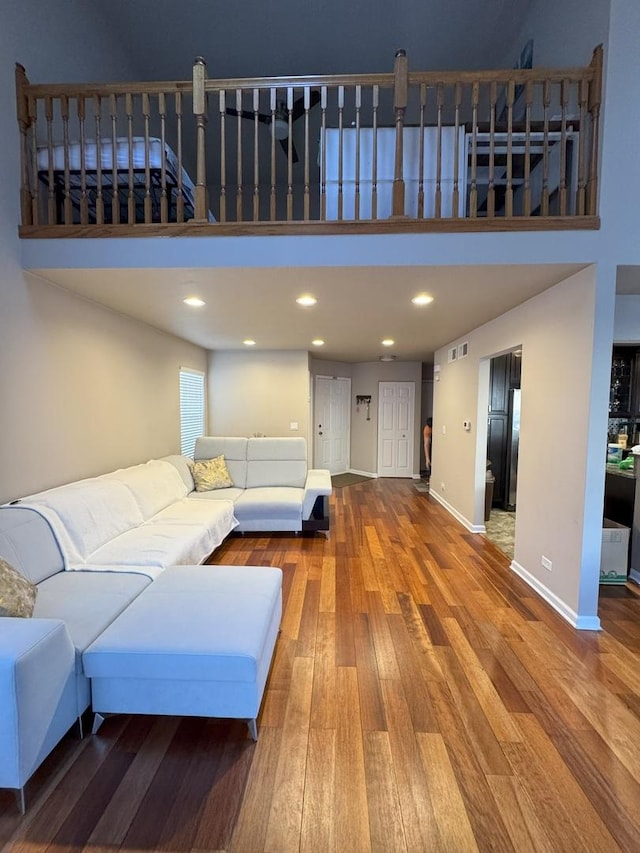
(273,489)
(122,600)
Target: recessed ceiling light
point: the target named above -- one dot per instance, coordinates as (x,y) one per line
(306,300)
(388,342)
(194,301)
(318,342)
(249,343)
(422,299)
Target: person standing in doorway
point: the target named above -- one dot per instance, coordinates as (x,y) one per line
(426,432)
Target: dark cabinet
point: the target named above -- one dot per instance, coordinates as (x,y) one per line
(624,392)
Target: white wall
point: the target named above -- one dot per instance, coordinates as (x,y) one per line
(365,378)
(563,423)
(83,389)
(564,34)
(258,392)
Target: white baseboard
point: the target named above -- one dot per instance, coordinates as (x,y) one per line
(583,623)
(634,575)
(362,473)
(472,528)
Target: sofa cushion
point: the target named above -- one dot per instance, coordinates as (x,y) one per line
(276,462)
(87,514)
(28,543)
(17,594)
(183,465)
(269,502)
(87,601)
(170,542)
(210,474)
(234,450)
(230,494)
(154,485)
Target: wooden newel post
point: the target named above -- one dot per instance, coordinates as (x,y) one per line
(595,99)
(22,105)
(200,112)
(400,91)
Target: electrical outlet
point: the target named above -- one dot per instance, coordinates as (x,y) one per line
(546,563)
(442,487)
(444,429)
(293,426)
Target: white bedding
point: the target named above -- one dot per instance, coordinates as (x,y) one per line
(138,156)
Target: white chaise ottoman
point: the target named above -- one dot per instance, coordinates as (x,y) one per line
(198,641)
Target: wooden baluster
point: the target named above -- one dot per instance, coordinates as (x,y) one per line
(564,102)
(131,197)
(340,150)
(358,104)
(595,98)
(52,212)
(583,90)
(307,178)
(84,201)
(115,196)
(22,105)
(400,95)
(256,171)
(179,180)
(374,153)
(290,154)
(146,112)
(273,103)
(491,191)
(473,196)
(438,198)
(200,113)
(32,106)
(508,202)
(64,111)
(423,103)
(526,209)
(99,199)
(162,112)
(239,216)
(323,154)
(223,155)
(546,102)
(455,201)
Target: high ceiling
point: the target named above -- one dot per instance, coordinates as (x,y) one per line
(357,307)
(257,38)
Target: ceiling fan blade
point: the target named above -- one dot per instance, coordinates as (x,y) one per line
(298,105)
(285,147)
(265,118)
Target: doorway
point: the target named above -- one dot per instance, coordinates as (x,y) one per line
(396,405)
(503,446)
(332,424)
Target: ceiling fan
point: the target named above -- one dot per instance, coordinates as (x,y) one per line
(280,119)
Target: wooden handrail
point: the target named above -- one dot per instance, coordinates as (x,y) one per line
(506,143)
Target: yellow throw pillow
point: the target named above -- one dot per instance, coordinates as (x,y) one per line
(17,594)
(211,474)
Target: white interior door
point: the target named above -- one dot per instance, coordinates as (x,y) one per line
(332,423)
(396,404)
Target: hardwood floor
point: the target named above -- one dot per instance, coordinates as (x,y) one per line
(422,698)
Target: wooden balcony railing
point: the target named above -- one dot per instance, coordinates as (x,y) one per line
(404,151)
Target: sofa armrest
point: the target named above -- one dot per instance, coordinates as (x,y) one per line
(318,484)
(38,686)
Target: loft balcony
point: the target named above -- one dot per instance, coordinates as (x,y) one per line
(401,152)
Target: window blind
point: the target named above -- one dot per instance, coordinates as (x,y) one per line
(191,409)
